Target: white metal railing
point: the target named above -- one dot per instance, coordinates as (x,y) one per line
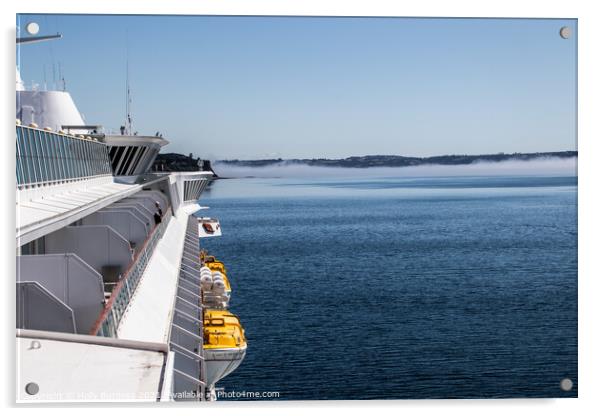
(187,342)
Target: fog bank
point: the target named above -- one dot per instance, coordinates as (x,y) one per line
(535,167)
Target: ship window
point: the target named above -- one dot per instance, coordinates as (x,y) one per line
(119,150)
(97,164)
(65,161)
(135,160)
(80,158)
(92,165)
(126,160)
(49,156)
(94,159)
(41,155)
(104,159)
(134,165)
(47,161)
(33,151)
(34,247)
(97,159)
(85,157)
(53,157)
(25,156)
(70,153)
(28,151)
(21,176)
(59,161)
(57,157)
(192,189)
(71,157)
(35,155)
(75,158)
(50,160)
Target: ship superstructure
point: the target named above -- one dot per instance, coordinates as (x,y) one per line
(109,296)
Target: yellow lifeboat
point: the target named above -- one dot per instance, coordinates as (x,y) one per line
(214,282)
(218,266)
(224,344)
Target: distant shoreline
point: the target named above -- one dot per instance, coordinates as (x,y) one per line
(390,161)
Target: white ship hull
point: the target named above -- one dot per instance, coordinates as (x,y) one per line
(221,362)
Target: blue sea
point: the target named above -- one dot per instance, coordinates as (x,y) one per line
(401,288)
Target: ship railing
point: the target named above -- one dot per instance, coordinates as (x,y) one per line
(186,338)
(191,355)
(115,308)
(60,181)
(190,338)
(46,158)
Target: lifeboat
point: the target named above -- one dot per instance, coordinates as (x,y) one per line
(215,283)
(209,227)
(224,344)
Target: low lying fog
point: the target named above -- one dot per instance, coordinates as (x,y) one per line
(536,167)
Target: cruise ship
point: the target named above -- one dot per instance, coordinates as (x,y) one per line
(110,304)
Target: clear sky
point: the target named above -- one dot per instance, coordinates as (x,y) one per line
(257,87)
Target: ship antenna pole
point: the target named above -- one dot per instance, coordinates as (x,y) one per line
(128,103)
(127,94)
(127,86)
(61,77)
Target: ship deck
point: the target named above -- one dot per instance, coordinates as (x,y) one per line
(41,211)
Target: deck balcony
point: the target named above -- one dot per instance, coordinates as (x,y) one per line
(85,274)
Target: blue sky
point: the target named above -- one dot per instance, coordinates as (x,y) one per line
(256,87)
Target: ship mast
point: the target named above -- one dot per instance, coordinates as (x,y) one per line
(128,98)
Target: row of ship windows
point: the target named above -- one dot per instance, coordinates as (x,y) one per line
(44,157)
(125,160)
(193,189)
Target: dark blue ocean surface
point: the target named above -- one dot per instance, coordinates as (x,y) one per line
(347,289)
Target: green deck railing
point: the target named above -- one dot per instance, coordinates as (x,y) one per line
(47,157)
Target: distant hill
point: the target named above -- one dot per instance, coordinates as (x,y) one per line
(400,161)
(175,162)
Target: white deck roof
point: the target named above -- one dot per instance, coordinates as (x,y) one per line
(71,369)
(46,209)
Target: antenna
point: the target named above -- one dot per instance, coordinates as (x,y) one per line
(33,29)
(61,77)
(128,98)
(53,76)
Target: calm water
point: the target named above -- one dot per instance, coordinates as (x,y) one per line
(401,288)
